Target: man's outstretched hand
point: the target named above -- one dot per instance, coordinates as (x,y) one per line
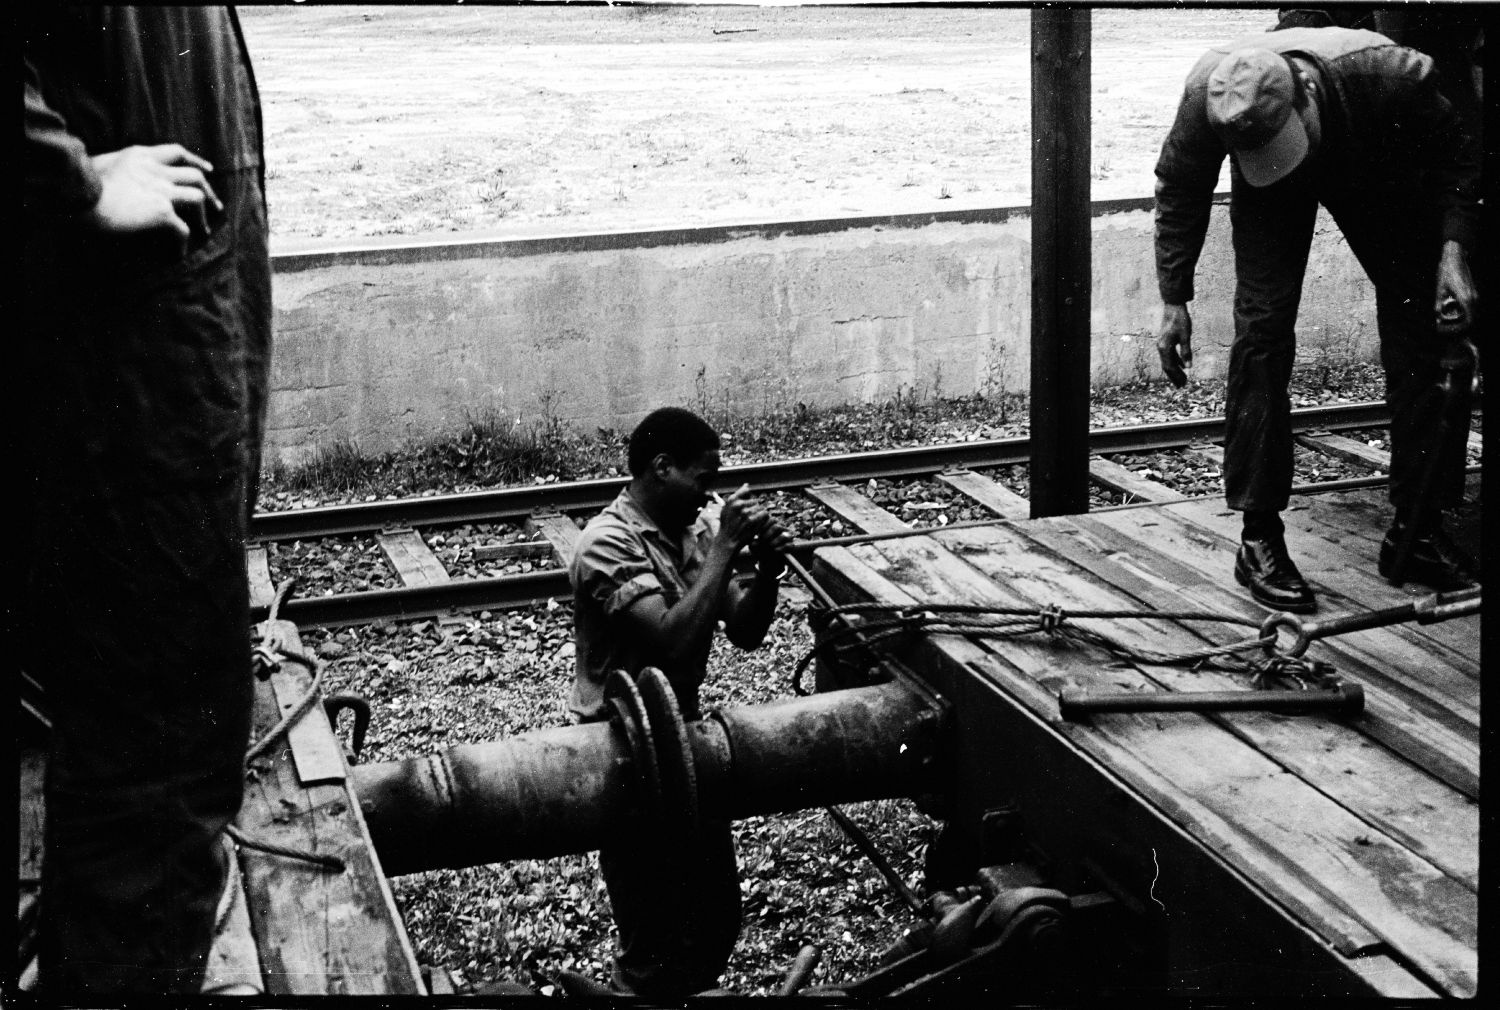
(1174,343)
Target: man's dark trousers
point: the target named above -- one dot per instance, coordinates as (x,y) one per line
(1397,242)
(676,905)
(139,464)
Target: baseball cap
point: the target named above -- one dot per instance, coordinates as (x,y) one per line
(1250,107)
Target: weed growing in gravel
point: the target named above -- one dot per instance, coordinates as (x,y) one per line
(494,449)
(491,450)
(337,466)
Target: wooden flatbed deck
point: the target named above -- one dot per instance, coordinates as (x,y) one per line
(286,926)
(1326,854)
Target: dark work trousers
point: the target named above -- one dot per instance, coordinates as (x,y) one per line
(675,902)
(1397,243)
(139,461)
(676,907)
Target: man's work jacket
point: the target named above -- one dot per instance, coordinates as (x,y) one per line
(156,359)
(1385,130)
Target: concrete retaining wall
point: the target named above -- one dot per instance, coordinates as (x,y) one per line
(382,345)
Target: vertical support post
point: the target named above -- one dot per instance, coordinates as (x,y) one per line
(1061,272)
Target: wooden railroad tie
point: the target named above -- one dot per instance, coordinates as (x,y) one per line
(1117,478)
(559,531)
(1347,449)
(530,551)
(993,495)
(412,558)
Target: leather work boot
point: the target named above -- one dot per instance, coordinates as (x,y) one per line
(1265,567)
(1436,561)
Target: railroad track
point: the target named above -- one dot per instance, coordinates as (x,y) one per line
(428,590)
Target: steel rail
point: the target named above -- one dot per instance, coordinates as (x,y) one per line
(516,503)
(504,591)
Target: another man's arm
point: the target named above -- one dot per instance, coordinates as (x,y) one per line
(131,190)
(1432,129)
(1186,173)
(751,608)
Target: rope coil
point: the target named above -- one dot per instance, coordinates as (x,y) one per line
(267,656)
(327,861)
(1052,620)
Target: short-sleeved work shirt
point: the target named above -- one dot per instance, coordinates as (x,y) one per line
(620,557)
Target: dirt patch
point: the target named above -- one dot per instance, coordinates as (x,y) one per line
(514,121)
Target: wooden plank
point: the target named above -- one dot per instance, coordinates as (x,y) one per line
(316,751)
(33,764)
(1032,675)
(1359,521)
(318,931)
(1242,800)
(1118,478)
(440,983)
(1326,536)
(513,552)
(258,570)
(1346,577)
(31,824)
(233,961)
(1436,690)
(855,509)
(1347,449)
(1212,453)
(559,531)
(1047,559)
(1035,673)
(1353,522)
(1389,718)
(993,495)
(1095,828)
(412,558)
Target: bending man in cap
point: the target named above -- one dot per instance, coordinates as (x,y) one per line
(1350,120)
(652,579)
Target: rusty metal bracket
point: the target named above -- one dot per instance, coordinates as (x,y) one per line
(264,661)
(336,703)
(1011,925)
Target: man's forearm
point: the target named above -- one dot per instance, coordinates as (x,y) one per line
(1181,226)
(1186,173)
(690,621)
